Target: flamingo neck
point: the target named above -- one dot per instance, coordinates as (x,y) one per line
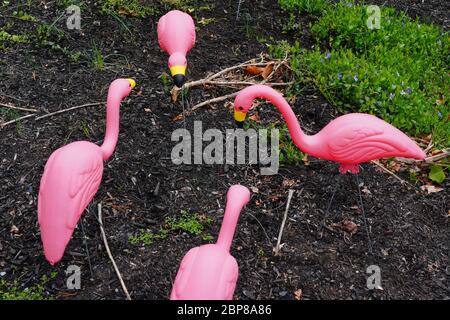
(112,124)
(302,141)
(230,219)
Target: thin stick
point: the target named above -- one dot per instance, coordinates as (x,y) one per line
(109,252)
(70,109)
(391,173)
(277,248)
(215,100)
(17,108)
(4,124)
(246,83)
(438,157)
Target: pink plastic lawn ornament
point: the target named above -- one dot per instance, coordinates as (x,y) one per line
(209,272)
(350,139)
(72,177)
(176,36)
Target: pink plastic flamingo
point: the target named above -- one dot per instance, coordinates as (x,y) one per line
(350,139)
(176,36)
(72,177)
(209,272)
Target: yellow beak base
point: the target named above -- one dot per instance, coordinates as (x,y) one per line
(178,70)
(132,83)
(239,116)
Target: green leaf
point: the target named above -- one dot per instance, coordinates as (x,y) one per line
(437,174)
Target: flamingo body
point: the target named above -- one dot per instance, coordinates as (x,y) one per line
(209,272)
(206,272)
(72,176)
(70,181)
(350,139)
(176,36)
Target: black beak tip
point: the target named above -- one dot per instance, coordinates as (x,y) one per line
(179,80)
(239,124)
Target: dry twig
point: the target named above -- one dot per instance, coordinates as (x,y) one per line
(280,234)
(70,109)
(109,252)
(17,108)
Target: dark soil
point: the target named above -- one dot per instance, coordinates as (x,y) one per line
(141,187)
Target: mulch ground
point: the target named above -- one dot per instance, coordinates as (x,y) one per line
(141,187)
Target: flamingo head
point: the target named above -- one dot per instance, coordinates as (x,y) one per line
(244,102)
(178,65)
(122,87)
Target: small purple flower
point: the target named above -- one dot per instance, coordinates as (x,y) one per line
(408,90)
(439,114)
(350,4)
(392,95)
(328,56)
(398,74)
(402,93)
(340,75)
(403,84)
(355,77)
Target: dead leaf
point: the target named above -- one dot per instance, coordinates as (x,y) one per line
(305,160)
(254,70)
(431,189)
(298,294)
(263,71)
(147,110)
(267,71)
(349,226)
(178,117)
(287,183)
(14,229)
(255,117)
(254,189)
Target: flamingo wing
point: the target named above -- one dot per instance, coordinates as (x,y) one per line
(359,143)
(83,186)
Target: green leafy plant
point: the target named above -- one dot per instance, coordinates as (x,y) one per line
(301,6)
(11,290)
(188,222)
(436,174)
(132,8)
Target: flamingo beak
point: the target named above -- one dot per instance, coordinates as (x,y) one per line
(239,118)
(132,83)
(178,75)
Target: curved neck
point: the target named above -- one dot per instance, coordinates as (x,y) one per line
(230,219)
(112,123)
(301,140)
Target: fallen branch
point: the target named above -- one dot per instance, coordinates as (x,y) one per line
(440,156)
(4,124)
(280,234)
(211,101)
(109,252)
(17,108)
(70,109)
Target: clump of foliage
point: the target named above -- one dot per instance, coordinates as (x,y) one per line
(301,6)
(11,290)
(132,8)
(189,222)
(397,72)
(146,238)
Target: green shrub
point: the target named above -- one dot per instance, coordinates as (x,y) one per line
(398,72)
(300,6)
